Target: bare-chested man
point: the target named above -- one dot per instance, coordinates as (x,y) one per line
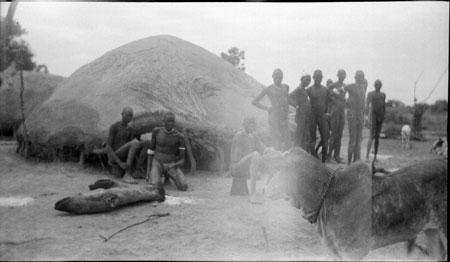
(375,108)
(245,148)
(165,145)
(278,111)
(319,99)
(337,112)
(355,115)
(121,146)
(299,99)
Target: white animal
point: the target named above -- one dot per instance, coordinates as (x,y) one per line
(406,136)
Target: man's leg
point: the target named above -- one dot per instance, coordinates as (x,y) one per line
(178,177)
(352,136)
(323,130)
(340,130)
(274,132)
(240,171)
(379,124)
(115,160)
(312,136)
(359,127)
(334,134)
(371,137)
(285,134)
(156,172)
(141,163)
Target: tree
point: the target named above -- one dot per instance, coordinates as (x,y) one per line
(14,49)
(440,106)
(234,57)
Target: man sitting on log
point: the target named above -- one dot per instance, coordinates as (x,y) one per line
(166,143)
(246,148)
(122,145)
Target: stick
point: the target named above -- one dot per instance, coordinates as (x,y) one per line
(142,222)
(265,238)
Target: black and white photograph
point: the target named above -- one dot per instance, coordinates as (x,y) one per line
(223,131)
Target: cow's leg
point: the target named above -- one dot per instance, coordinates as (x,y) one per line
(435,248)
(410,243)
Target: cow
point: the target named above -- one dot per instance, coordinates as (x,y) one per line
(406,136)
(357,211)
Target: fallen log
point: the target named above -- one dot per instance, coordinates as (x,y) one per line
(108,195)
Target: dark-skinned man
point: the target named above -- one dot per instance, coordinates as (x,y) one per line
(355,115)
(299,99)
(375,108)
(319,99)
(337,112)
(278,111)
(166,144)
(122,146)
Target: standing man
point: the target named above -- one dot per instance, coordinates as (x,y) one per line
(166,144)
(319,98)
(355,115)
(245,148)
(337,112)
(299,99)
(278,111)
(375,106)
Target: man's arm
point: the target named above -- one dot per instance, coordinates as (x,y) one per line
(182,152)
(292,97)
(151,154)
(328,102)
(368,103)
(109,142)
(256,102)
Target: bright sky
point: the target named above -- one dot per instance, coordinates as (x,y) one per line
(390,41)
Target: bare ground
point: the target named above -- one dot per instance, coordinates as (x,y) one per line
(212,226)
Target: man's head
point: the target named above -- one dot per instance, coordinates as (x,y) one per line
(341,75)
(169,121)
(249,125)
(277,76)
(329,82)
(127,115)
(377,84)
(305,80)
(317,77)
(359,77)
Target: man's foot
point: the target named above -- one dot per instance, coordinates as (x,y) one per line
(256,200)
(128,179)
(339,160)
(99,151)
(138,174)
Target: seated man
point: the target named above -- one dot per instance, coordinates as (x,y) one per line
(121,146)
(245,148)
(165,144)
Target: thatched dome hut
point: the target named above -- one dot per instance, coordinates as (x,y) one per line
(37,88)
(209,97)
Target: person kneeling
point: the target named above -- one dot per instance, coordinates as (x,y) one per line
(165,143)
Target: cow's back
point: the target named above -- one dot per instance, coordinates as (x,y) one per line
(406,200)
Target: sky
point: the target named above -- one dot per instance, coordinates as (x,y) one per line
(395,42)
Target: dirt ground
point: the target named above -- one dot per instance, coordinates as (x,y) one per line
(205,223)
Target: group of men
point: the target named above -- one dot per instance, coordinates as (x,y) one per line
(323,107)
(165,152)
(317,106)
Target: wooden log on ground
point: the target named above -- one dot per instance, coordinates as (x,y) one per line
(108,195)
